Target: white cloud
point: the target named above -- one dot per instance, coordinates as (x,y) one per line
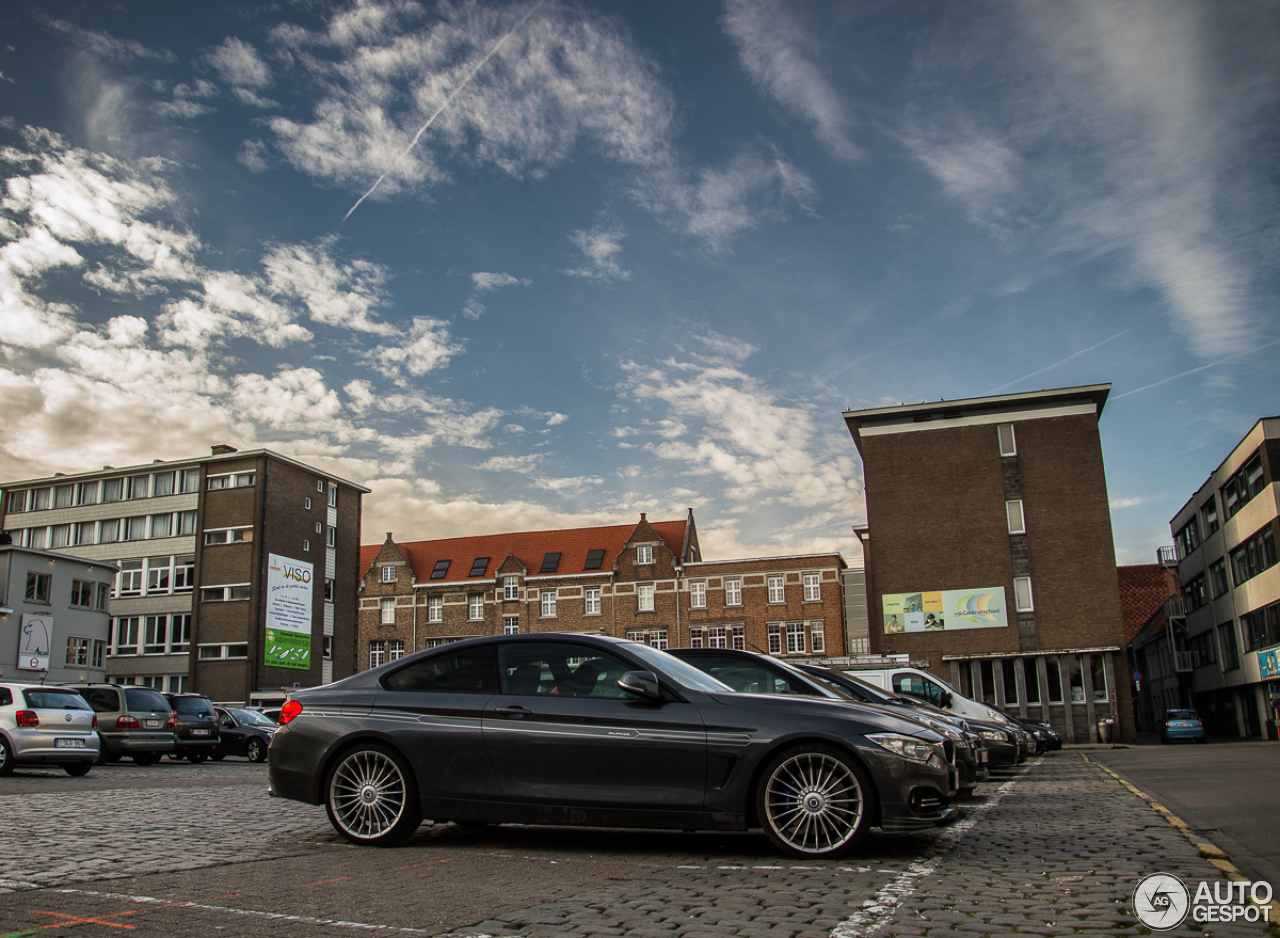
(600,245)
(494,281)
(238,64)
(776,52)
(105,45)
(427,347)
(335,293)
(473,309)
(527,463)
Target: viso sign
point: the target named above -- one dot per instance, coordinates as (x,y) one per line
(945,610)
(289,592)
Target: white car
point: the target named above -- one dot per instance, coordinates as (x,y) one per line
(43,725)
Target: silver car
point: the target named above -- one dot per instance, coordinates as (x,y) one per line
(42,725)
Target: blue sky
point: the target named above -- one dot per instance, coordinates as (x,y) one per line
(524,265)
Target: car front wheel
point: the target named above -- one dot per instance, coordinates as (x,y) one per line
(77,769)
(6,757)
(371,798)
(146,758)
(813,802)
(255,751)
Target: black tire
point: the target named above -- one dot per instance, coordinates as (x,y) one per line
(217,756)
(197,757)
(77,769)
(813,802)
(255,750)
(6,757)
(146,758)
(371,797)
(103,755)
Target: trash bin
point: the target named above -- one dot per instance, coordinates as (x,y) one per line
(1106,730)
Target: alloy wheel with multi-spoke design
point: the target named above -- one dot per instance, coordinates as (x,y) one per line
(370,798)
(812,802)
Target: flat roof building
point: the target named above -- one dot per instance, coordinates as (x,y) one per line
(989,553)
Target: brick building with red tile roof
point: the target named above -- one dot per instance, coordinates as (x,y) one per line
(1143,589)
(645,581)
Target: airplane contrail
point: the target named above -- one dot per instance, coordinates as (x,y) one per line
(447,101)
(1220,361)
(1010,384)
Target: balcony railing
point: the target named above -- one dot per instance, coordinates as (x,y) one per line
(1176,607)
(1167,556)
(1184,661)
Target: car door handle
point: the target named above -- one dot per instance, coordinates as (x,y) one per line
(513,711)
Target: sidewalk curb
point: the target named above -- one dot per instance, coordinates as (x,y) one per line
(1215,855)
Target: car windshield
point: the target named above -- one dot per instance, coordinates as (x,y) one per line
(192,705)
(54,700)
(828,684)
(251,717)
(684,674)
(139,698)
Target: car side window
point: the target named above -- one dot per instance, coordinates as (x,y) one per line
(561,669)
(6,698)
(918,687)
(744,676)
(466,671)
(226,720)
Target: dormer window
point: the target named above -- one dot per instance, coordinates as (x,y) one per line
(644,555)
(550,562)
(441,569)
(479,566)
(595,559)
(388,574)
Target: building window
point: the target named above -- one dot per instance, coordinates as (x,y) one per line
(333,495)
(62,495)
(319,528)
(775,638)
(17,502)
(395,649)
(818,638)
(698,594)
(1195,593)
(327,648)
(38,587)
(129,578)
(591,601)
(812,588)
(184,573)
(162,483)
(35,538)
(777,594)
(186,522)
(228,536)
(320,486)
(644,555)
(510,588)
(180,633)
(158,570)
(155,635)
(60,535)
(435,608)
(695,638)
(795,638)
(510,625)
(189,480)
(475,606)
(306,503)
(231,480)
(654,638)
(112,490)
(1210,512)
(1244,484)
(388,573)
(103,597)
(82,593)
(377,654)
(1008,443)
(388,607)
(1261,628)
(644,597)
(739,637)
(328,589)
(1256,554)
(1187,539)
(137,486)
(733,592)
(124,635)
(84,532)
(109,531)
(77,652)
(135,528)
(1218,578)
(716,637)
(330,535)
(1017,523)
(306,545)
(548,602)
(99,654)
(1022,594)
(224,594)
(1227,641)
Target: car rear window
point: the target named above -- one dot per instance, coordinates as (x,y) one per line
(192,705)
(139,698)
(1181,715)
(101,699)
(54,700)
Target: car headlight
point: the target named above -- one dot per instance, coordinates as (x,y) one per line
(995,715)
(994,734)
(949,733)
(909,747)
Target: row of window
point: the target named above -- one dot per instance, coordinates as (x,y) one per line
(150,635)
(1243,485)
(172,683)
(109,531)
(153,576)
(85,652)
(87,594)
(1256,554)
(107,490)
(982,684)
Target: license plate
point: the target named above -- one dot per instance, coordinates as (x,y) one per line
(151,723)
(68,744)
(983,755)
(199,732)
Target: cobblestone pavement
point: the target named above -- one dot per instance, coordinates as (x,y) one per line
(1054,849)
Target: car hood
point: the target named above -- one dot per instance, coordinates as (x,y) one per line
(861,717)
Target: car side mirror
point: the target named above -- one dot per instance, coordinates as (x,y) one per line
(946,699)
(643,684)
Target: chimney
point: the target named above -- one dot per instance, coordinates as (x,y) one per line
(642,517)
(221,449)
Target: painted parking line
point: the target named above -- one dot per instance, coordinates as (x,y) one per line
(249,913)
(77,920)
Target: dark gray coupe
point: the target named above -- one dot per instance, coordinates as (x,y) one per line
(601,732)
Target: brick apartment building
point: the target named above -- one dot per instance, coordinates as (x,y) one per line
(989,555)
(1227,635)
(199,542)
(644,581)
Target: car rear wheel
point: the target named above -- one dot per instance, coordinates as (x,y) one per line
(78,769)
(255,751)
(813,802)
(198,757)
(217,756)
(146,758)
(6,757)
(371,798)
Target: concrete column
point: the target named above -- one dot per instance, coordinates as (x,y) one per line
(955,677)
(975,680)
(1020,679)
(997,674)
(1068,709)
(1091,712)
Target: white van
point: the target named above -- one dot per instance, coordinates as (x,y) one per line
(912,682)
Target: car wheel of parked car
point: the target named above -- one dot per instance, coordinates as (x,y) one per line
(371,797)
(218,756)
(6,757)
(254,751)
(77,769)
(812,802)
(146,758)
(198,757)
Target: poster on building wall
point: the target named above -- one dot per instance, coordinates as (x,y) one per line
(944,610)
(289,594)
(35,638)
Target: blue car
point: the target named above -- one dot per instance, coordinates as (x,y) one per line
(1182,724)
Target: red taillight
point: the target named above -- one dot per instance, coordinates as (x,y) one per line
(126,722)
(28,718)
(95,721)
(290,710)
(172,721)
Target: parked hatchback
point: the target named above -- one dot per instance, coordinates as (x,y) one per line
(243,733)
(196,732)
(132,721)
(1182,724)
(42,725)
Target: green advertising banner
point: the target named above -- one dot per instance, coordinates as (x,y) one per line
(289,592)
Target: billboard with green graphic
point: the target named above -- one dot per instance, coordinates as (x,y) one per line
(944,610)
(289,593)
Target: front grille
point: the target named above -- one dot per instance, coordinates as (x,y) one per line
(949,751)
(926,802)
